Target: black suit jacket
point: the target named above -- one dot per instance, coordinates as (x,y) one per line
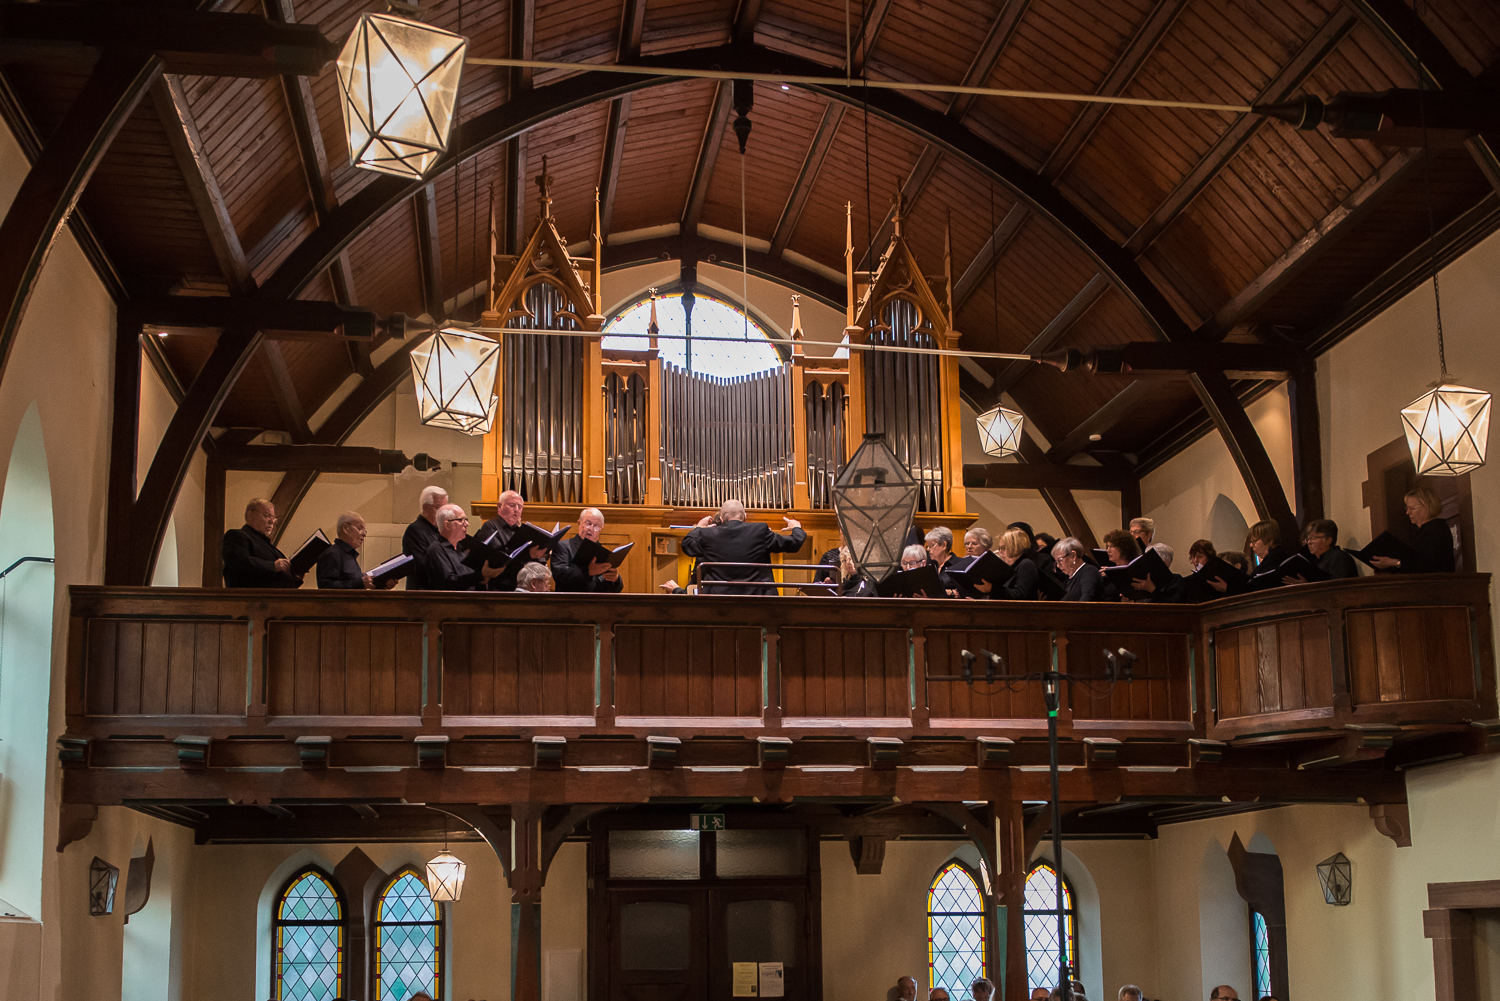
(1434,546)
(571,575)
(739,542)
(420,536)
(445,570)
(503,533)
(1022,585)
(1338,563)
(1086,584)
(250,561)
(338,566)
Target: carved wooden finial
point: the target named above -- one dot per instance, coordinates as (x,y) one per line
(797,334)
(896,212)
(544,185)
(651,328)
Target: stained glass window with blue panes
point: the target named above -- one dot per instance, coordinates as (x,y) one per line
(408,940)
(1039,916)
(308,964)
(955,930)
(1262,953)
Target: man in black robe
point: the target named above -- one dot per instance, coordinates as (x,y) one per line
(338,565)
(735,540)
(443,564)
(595,577)
(508,511)
(421,535)
(250,558)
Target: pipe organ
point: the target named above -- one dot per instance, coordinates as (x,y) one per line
(624,430)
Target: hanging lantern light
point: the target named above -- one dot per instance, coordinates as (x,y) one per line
(1000,431)
(445,878)
(399,81)
(1336,874)
(454,371)
(103,878)
(874,498)
(1448,430)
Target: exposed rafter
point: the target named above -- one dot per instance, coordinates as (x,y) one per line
(609,163)
(708,158)
(868,34)
(817,150)
(988,57)
(1053,332)
(430,252)
(284,394)
(989,255)
(745,17)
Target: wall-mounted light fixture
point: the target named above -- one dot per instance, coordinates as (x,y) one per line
(1336,874)
(103,878)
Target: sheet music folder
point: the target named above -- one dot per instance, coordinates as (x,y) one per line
(304,558)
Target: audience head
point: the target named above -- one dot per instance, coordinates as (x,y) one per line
(1422,505)
(1040,994)
(939,543)
(452,522)
(1130,992)
(731,510)
(590,524)
(1144,530)
(982,989)
(913,557)
(260,514)
(1236,560)
(1264,537)
(1014,544)
(906,989)
(351,528)
(509,507)
(1224,992)
(977,541)
(1121,546)
(938,994)
(433,497)
(1166,552)
(1320,536)
(535,577)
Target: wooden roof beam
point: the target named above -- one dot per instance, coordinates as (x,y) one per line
(988,57)
(989,255)
(746,14)
(284,394)
(632,27)
(614,153)
(522,42)
(1043,475)
(1099,422)
(817,151)
(1246,448)
(1145,42)
(868,34)
(708,157)
(1053,332)
(430,252)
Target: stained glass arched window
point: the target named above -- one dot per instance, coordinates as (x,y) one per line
(408,940)
(736,344)
(955,930)
(1260,945)
(307,962)
(1039,914)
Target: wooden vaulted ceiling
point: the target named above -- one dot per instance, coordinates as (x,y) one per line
(1238,227)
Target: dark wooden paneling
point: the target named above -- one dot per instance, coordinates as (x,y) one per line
(862,673)
(1274,667)
(1410,655)
(344,668)
(1024,652)
(1166,701)
(696,671)
(518,670)
(165,667)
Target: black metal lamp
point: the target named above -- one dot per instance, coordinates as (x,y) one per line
(1336,874)
(103,878)
(874,498)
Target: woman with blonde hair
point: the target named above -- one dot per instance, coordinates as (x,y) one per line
(1015,549)
(1434,541)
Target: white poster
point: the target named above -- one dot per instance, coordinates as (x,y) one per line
(772,980)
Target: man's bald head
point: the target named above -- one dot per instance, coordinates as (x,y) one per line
(906,989)
(732,510)
(1224,992)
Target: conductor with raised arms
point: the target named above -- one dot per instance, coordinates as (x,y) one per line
(250,558)
(597,576)
(734,540)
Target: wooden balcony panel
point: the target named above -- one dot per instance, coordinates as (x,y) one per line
(1411,655)
(959,705)
(1139,707)
(837,677)
(698,676)
(343,669)
(1282,668)
(518,674)
(165,667)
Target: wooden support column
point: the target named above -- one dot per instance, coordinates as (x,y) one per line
(801,499)
(1009,963)
(1307,443)
(593,419)
(951,414)
(213,523)
(653,431)
(1454,971)
(526,878)
(124,443)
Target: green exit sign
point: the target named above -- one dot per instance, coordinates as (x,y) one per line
(706,821)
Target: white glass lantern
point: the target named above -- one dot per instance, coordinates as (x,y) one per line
(874,498)
(445,878)
(1448,430)
(455,371)
(399,81)
(1336,876)
(1000,431)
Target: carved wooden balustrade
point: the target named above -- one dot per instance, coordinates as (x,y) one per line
(1366,661)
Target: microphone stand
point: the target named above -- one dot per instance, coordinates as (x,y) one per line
(1119,666)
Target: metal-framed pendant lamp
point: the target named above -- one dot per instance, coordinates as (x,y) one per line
(399,82)
(1000,431)
(875,497)
(445,877)
(454,371)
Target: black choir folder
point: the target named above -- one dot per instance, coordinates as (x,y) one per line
(304,558)
(1148,565)
(533,536)
(1296,565)
(922,581)
(984,568)
(1200,590)
(395,568)
(590,551)
(1384,544)
(478,552)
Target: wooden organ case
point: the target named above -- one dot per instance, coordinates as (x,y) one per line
(655,447)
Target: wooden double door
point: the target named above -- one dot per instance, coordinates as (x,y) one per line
(680,943)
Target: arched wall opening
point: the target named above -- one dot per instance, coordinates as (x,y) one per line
(26,596)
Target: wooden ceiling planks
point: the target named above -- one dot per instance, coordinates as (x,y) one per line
(464,240)
(782,127)
(809,29)
(1094,36)
(661,147)
(574,147)
(583,31)
(1035,280)
(385,260)
(1470,31)
(926,43)
(676,25)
